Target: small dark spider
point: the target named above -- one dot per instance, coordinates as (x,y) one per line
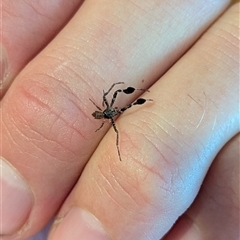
(110,112)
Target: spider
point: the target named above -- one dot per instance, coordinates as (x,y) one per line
(110,112)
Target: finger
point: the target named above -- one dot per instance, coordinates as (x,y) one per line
(48,132)
(27,27)
(167,147)
(215,212)
(43,234)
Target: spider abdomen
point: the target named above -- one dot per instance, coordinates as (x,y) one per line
(98,115)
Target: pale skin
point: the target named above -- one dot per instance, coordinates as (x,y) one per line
(180,152)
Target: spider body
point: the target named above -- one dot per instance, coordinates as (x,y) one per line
(110,112)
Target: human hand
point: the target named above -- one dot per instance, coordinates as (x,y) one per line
(167,146)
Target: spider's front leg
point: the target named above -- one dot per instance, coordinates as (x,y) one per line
(106,93)
(139,101)
(128,90)
(105,101)
(95,104)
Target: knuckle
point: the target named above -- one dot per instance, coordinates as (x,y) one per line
(45,112)
(158,156)
(138,175)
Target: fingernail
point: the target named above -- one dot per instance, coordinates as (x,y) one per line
(16,200)
(4,70)
(79,224)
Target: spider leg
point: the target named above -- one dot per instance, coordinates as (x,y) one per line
(117,139)
(95,104)
(106,93)
(139,101)
(100,126)
(105,101)
(128,90)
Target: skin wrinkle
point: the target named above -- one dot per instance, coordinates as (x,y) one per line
(43,149)
(219,38)
(143,166)
(113,178)
(8,130)
(85,56)
(157,6)
(229,39)
(226,24)
(187,113)
(36,10)
(207,55)
(172,126)
(142,9)
(95,36)
(65,87)
(95,64)
(39,11)
(173,165)
(65,84)
(104,178)
(101,33)
(115,57)
(99,53)
(17,144)
(220,57)
(150,127)
(74,60)
(10,136)
(108,191)
(58,116)
(22,21)
(168,122)
(130,193)
(227,62)
(9,13)
(60,66)
(151,169)
(123,188)
(167,145)
(81,112)
(150,24)
(106,31)
(158,127)
(115,17)
(183,132)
